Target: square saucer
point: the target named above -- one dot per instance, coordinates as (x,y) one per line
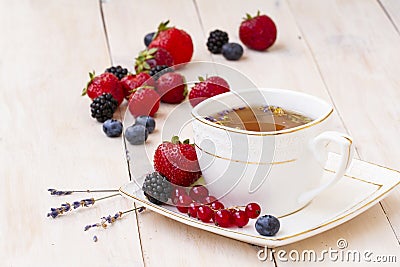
(363,186)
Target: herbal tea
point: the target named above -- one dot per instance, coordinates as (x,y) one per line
(259,119)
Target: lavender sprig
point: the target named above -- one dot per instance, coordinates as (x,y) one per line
(55,212)
(56,192)
(106,221)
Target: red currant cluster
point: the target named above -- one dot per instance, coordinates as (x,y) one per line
(199,204)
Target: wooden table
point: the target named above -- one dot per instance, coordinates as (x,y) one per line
(346,52)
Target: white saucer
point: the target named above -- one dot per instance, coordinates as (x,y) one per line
(364,185)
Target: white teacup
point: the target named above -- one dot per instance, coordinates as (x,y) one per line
(280,170)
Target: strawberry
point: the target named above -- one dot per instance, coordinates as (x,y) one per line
(177,42)
(257,32)
(132,82)
(218,81)
(104,83)
(177,162)
(144,101)
(205,89)
(152,57)
(172,87)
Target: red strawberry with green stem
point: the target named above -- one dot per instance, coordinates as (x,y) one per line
(144,101)
(152,57)
(134,81)
(104,83)
(172,88)
(258,33)
(176,41)
(210,87)
(177,162)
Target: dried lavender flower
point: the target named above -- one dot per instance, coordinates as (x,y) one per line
(106,221)
(55,192)
(55,212)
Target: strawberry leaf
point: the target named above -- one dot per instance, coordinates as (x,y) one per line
(146,65)
(162,27)
(152,51)
(185,91)
(187,141)
(248,16)
(175,140)
(91,76)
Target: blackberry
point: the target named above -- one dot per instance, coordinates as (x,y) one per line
(159,70)
(103,107)
(118,71)
(156,188)
(216,40)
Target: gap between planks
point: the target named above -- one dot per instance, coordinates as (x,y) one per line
(390,19)
(123,134)
(105,31)
(326,87)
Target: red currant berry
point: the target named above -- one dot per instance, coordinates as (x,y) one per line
(232,211)
(209,200)
(253,210)
(217,205)
(223,218)
(205,213)
(183,203)
(240,218)
(198,192)
(176,192)
(193,208)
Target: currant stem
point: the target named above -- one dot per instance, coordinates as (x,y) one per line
(237,207)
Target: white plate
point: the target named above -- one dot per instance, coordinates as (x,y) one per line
(364,185)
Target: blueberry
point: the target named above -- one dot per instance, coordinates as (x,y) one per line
(232,51)
(136,134)
(112,128)
(148,38)
(267,225)
(146,121)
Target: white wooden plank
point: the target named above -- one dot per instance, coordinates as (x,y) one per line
(291,64)
(355,47)
(162,238)
(392,7)
(48,139)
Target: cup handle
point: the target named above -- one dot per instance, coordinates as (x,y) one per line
(318,147)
